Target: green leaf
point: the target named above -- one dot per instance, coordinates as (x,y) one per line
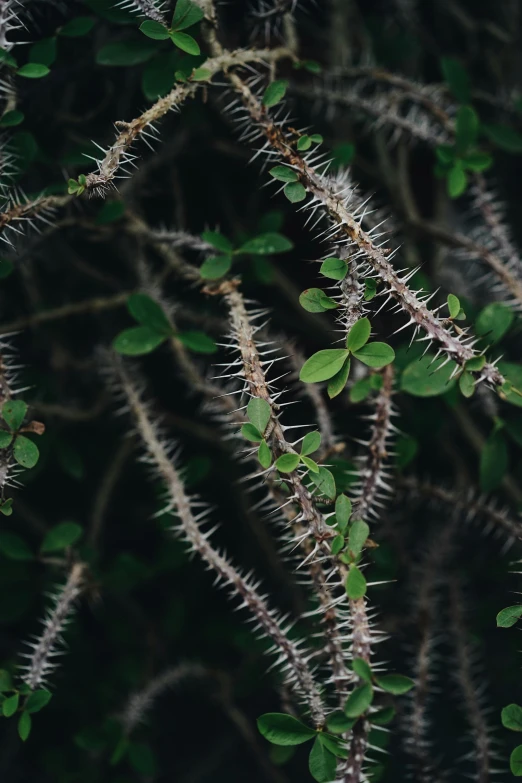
(382,717)
(395,683)
(337,544)
(338,382)
(515,762)
(323,365)
(61,536)
(311,443)
(154,30)
(362,669)
(284,174)
(201,75)
(467,384)
(264,455)
(126,53)
(137,341)
(25,452)
(426,378)
(13,413)
(304,143)
(334,268)
(355,585)
(295,192)
(287,463)
(457,181)
(6,508)
(324,482)
(258,412)
(14,547)
(249,432)
(358,701)
(281,729)
(477,161)
(453,305)
(37,700)
(199,342)
(11,118)
(186,43)
(359,532)
(78,27)
(186,14)
(148,313)
(494,321)
(216,267)
(513,374)
(494,462)
(512,717)
(466,128)
(509,616)
(338,723)
(158,77)
(217,240)
(358,335)
(33,71)
(267,244)
(343,512)
(24,726)
(314,300)
(310,464)
(505,137)
(456,78)
(375,355)
(274,93)
(10,705)
(322,763)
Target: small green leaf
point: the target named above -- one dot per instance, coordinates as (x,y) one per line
(323,365)
(258,412)
(334,268)
(453,305)
(314,300)
(61,536)
(78,27)
(13,413)
(24,726)
(456,78)
(25,452)
(199,342)
(154,30)
(216,267)
(137,341)
(509,616)
(10,705)
(5,439)
(370,289)
(33,71)
(515,762)
(295,192)
(186,14)
(148,313)
(508,139)
(375,355)
(426,377)
(358,335)
(361,390)
(11,118)
(201,75)
(362,669)
(14,547)
(267,244)
(395,683)
(264,455)
(186,43)
(37,700)
(359,532)
(274,93)
(467,384)
(287,463)
(337,544)
(359,701)
(322,763)
(284,174)
(355,585)
(477,161)
(466,128)
(217,240)
(382,717)
(476,364)
(457,180)
(310,464)
(512,717)
(343,512)
(281,729)
(338,723)
(249,432)
(325,482)
(6,508)
(311,443)
(304,143)
(126,53)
